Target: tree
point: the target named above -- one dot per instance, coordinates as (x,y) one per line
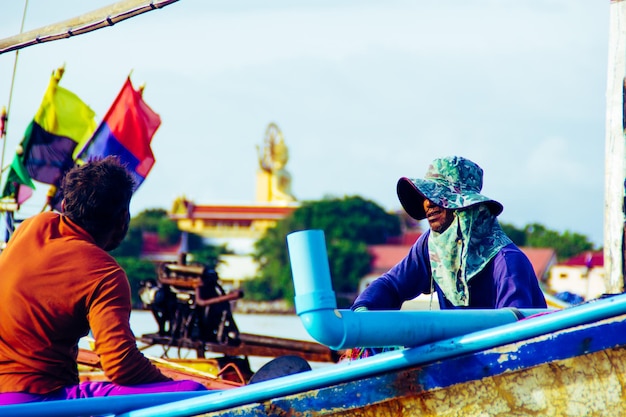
(566,244)
(128,254)
(131,245)
(137,270)
(209,255)
(150,220)
(349,225)
(156,220)
(518,236)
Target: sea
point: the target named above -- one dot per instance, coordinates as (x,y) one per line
(286,326)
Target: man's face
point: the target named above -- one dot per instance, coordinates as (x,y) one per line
(438,218)
(119,233)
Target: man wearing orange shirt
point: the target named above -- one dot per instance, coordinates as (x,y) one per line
(57,282)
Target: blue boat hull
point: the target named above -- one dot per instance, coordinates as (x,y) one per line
(574,372)
(579,369)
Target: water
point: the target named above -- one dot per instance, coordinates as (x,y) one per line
(276,325)
(285,326)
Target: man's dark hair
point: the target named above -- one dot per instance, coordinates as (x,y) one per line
(96,194)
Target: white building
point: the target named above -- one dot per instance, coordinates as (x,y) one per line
(582,275)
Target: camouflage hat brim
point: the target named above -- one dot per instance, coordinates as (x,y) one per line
(413,191)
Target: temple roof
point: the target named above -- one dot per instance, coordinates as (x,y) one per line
(233,211)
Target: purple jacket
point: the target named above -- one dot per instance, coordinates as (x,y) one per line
(508,280)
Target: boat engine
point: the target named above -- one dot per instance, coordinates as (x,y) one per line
(190,306)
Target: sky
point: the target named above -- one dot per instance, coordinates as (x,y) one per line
(364,92)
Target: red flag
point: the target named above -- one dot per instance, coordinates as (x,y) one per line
(126,131)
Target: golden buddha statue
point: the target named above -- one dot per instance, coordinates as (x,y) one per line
(273,180)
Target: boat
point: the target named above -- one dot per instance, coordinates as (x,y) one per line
(469,362)
(210,372)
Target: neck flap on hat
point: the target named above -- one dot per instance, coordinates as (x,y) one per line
(463,250)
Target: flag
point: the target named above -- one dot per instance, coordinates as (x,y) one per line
(18,183)
(59,129)
(19,186)
(3,120)
(126,131)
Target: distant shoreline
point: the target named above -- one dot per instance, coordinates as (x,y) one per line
(263,307)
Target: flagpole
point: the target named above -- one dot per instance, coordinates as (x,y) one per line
(52,190)
(615,151)
(58,74)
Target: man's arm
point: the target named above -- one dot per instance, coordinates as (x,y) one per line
(405,281)
(109,314)
(516,282)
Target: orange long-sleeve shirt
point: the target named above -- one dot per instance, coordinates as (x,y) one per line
(56,284)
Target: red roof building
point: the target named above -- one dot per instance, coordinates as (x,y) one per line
(386,256)
(155,251)
(589,259)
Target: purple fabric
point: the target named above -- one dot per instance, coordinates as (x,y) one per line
(508,280)
(100,389)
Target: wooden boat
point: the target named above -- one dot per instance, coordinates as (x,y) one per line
(212,373)
(464,362)
(575,371)
(570,362)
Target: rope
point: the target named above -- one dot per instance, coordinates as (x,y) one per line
(8,221)
(3,138)
(235,368)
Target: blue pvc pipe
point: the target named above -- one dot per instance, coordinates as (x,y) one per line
(95,406)
(390,361)
(340,329)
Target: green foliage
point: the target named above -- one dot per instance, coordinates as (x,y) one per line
(131,245)
(209,255)
(349,225)
(349,259)
(156,221)
(149,219)
(351,218)
(518,236)
(195,242)
(566,244)
(168,231)
(137,270)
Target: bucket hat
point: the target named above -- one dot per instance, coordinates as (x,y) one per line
(452,182)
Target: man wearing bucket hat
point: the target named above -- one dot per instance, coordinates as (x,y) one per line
(465,257)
